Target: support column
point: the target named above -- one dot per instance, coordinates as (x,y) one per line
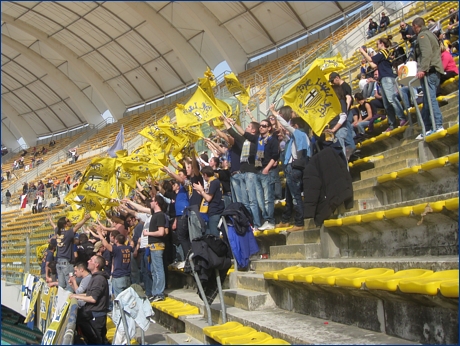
(27,132)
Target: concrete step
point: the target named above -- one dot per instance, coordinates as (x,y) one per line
(361,184)
(365,193)
(303,237)
(298,251)
(249,281)
(375,172)
(435,263)
(292,327)
(401,155)
(247,299)
(182,339)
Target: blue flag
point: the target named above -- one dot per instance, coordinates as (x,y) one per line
(118,145)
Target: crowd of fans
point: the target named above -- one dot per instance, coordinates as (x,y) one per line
(148,230)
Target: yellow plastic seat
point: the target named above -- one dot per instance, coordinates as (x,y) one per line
(436,136)
(189,310)
(453,130)
(374,216)
(398,212)
(275,341)
(273,275)
(257,233)
(429,284)
(272,231)
(221,335)
(435,206)
(333,223)
(226,326)
(329,278)
(436,163)
(397,131)
(408,171)
(351,220)
(109,323)
(390,282)
(453,158)
(290,276)
(387,177)
(110,334)
(452,204)
(358,279)
(449,288)
(253,339)
(308,277)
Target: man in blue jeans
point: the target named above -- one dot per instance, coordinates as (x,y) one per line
(121,274)
(267,155)
(246,178)
(156,234)
(430,68)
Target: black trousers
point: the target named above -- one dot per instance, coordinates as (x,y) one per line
(94,329)
(183,235)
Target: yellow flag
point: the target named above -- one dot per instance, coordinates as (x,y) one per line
(76,215)
(328,65)
(313,99)
(235,87)
(209,75)
(150,132)
(198,110)
(205,84)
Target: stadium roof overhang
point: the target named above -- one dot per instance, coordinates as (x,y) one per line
(66,63)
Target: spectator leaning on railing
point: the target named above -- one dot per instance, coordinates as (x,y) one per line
(429,67)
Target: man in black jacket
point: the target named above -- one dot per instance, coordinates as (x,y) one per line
(384,22)
(373,26)
(92,317)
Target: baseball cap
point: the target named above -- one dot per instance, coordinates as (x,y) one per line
(97,246)
(333,75)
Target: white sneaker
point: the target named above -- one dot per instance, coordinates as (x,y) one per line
(270,226)
(264,226)
(180,265)
(428,133)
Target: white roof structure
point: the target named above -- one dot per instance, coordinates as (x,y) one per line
(66,63)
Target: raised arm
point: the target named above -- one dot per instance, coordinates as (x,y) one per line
(81,223)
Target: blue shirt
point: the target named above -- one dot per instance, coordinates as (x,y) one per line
(383,65)
(182,201)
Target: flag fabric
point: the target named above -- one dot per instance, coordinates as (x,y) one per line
(118,145)
(198,110)
(235,87)
(210,75)
(328,65)
(205,84)
(76,215)
(313,99)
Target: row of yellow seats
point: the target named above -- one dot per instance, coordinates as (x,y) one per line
(365,160)
(418,209)
(429,165)
(420,281)
(381,137)
(175,308)
(234,333)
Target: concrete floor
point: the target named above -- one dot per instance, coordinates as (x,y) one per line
(155,335)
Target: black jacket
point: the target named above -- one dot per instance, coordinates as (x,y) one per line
(327,184)
(242,218)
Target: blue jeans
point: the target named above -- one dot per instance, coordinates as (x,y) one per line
(341,136)
(63,268)
(294,200)
(211,227)
(239,193)
(390,102)
(158,272)
(275,176)
(250,181)
(371,33)
(265,191)
(145,272)
(433,80)
(362,126)
(350,143)
(405,96)
(120,284)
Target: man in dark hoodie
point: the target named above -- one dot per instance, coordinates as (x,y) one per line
(92,317)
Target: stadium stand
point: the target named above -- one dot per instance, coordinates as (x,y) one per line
(385,271)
